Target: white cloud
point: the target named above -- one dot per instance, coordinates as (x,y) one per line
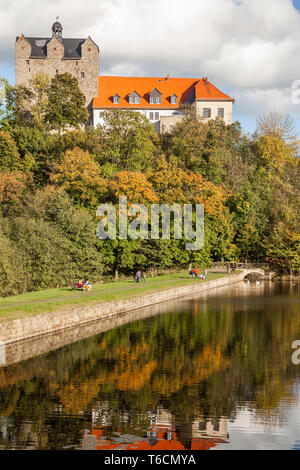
(248,48)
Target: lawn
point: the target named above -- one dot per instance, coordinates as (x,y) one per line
(49,300)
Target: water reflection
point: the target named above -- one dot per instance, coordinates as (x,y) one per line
(163,433)
(213,372)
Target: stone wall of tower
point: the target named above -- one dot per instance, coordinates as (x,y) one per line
(85,69)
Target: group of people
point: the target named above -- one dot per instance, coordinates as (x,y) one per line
(140,276)
(195,273)
(231,267)
(86,286)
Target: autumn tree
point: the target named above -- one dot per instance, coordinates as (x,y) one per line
(79,175)
(9,155)
(275,154)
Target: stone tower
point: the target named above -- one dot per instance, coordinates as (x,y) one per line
(56,55)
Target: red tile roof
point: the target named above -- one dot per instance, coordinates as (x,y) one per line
(183,88)
(162,443)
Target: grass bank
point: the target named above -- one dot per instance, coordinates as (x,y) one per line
(50,300)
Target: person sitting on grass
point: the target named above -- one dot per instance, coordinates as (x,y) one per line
(87,286)
(80,284)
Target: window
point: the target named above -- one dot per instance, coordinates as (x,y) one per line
(28,62)
(155,97)
(202,426)
(134,98)
(153,116)
(155,100)
(173,99)
(57,71)
(82,74)
(116,99)
(206,112)
(216,427)
(221,113)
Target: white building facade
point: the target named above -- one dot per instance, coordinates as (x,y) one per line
(161,99)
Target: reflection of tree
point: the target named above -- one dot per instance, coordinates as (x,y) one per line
(191,364)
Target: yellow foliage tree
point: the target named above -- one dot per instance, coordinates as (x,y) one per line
(80,176)
(275,154)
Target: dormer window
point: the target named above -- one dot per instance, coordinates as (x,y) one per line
(174,99)
(116,99)
(155,97)
(134,98)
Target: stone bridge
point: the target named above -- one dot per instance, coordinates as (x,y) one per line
(253,271)
(258,269)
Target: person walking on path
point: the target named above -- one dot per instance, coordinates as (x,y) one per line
(138,276)
(143,276)
(205,274)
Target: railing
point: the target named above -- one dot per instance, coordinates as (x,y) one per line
(244,265)
(253,266)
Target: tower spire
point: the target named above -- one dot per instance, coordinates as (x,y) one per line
(57,29)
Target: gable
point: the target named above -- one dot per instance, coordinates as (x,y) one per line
(23,47)
(155,92)
(72,47)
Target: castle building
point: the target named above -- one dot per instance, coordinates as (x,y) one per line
(161,100)
(56,55)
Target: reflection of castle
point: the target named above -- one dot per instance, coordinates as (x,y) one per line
(164,433)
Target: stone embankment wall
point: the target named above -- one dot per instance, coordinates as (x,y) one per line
(30,327)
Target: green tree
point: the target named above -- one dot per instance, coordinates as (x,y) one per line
(66,103)
(127,140)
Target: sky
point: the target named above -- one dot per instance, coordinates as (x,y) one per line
(247,48)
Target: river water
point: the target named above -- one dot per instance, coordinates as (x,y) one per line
(212,372)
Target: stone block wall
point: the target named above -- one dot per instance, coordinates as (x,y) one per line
(85,69)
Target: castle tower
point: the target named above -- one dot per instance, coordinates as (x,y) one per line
(56,55)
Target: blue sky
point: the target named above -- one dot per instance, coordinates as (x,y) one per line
(297,4)
(247,48)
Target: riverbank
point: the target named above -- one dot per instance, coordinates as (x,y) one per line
(20,329)
(52,300)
